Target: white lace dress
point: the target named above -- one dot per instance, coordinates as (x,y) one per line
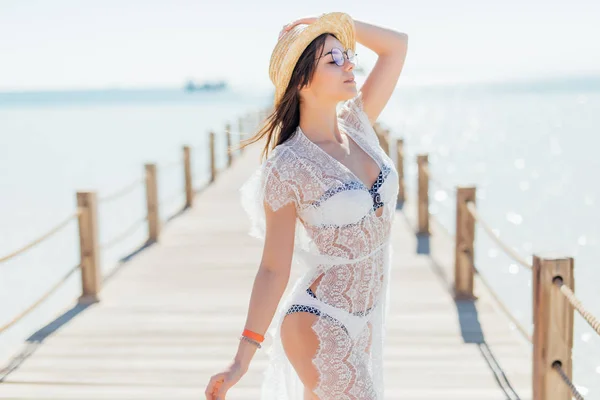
(340,239)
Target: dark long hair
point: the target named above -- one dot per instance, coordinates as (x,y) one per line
(282,122)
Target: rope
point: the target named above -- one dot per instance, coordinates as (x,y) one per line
(121,192)
(40,239)
(565,290)
(171,199)
(558,367)
(44,297)
(502,305)
(170,165)
(576,303)
(437,182)
(511,253)
(130,230)
(504,308)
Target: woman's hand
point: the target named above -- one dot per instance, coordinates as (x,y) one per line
(220,383)
(306,20)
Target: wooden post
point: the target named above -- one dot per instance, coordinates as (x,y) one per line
(377,129)
(552,327)
(91,277)
(152,203)
(213,166)
(386,141)
(187,170)
(229,154)
(382,136)
(465,242)
(423,202)
(400,168)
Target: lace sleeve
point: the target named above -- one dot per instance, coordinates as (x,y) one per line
(269,186)
(353,115)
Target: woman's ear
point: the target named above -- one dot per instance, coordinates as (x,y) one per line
(303,88)
(302,93)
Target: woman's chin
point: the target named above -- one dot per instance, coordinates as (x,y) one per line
(351,91)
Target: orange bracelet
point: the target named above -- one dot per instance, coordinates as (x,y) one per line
(253,335)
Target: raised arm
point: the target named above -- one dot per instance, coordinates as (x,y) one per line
(391,47)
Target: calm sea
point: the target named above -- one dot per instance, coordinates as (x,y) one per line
(531,148)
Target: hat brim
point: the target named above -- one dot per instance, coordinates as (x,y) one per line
(294,42)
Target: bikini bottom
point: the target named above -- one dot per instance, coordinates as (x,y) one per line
(351,323)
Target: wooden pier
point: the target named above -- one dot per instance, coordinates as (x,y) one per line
(169,318)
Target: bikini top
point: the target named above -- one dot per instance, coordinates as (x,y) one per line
(339,214)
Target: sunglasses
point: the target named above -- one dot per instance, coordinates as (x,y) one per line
(338,56)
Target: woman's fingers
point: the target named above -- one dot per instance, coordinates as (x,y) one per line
(221,394)
(305,20)
(287,27)
(222,391)
(213,386)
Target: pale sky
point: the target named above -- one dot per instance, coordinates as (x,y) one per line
(79,44)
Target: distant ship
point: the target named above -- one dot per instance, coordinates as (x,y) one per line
(191,86)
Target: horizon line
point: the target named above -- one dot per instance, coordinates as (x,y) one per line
(407,82)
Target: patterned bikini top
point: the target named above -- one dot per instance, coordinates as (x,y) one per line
(356,185)
(375,188)
(339,222)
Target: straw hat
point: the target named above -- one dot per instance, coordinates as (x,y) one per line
(290,46)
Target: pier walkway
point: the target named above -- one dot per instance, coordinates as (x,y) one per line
(170,318)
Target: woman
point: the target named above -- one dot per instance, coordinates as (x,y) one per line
(327,171)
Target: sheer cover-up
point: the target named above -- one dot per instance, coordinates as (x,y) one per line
(340,238)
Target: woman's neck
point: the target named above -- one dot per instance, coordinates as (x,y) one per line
(318,121)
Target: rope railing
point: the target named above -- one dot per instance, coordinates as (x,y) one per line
(169,166)
(88,230)
(124,234)
(439,184)
(130,187)
(499,301)
(170,199)
(565,290)
(429,177)
(522,330)
(29,309)
(578,305)
(510,252)
(558,282)
(57,228)
(558,368)
(551,314)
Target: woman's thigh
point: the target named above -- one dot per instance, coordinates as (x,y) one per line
(301,343)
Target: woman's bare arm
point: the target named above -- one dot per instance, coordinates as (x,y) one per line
(391,47)
(272,276)
(270,281)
